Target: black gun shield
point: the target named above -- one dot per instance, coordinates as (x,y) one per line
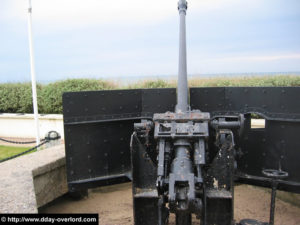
(277,146)
(98,125)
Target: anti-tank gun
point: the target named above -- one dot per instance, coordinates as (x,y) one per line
(180,159)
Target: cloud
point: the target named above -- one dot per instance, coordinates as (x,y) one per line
(69,14)
(260,58)
(245,63)
(89,12)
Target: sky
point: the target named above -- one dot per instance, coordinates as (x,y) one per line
(117,38)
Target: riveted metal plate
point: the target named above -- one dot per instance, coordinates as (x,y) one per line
(273,103)
(95,106)
(98,150)
(98,125)
(96,121)
(144,173)
(158,101)
(274,147)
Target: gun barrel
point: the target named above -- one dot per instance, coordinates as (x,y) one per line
(182,86)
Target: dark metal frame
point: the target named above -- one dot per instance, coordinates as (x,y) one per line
(98,126)
(91,122)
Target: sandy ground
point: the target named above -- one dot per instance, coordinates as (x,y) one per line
(114,205)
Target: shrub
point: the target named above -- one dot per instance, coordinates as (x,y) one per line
(51,95)
(152,84)
(16,98)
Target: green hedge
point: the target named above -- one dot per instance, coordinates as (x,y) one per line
(51,94)
(16,98)
(159,83)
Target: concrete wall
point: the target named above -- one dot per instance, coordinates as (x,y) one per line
(32,180)
(22,125)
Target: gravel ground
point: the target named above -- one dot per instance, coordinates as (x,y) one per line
(114,205)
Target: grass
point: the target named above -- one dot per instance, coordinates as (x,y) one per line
(268,81)
(252,81)
(7,151)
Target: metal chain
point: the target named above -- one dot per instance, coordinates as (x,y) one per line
(19,142)
(22,153)
(51,136)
